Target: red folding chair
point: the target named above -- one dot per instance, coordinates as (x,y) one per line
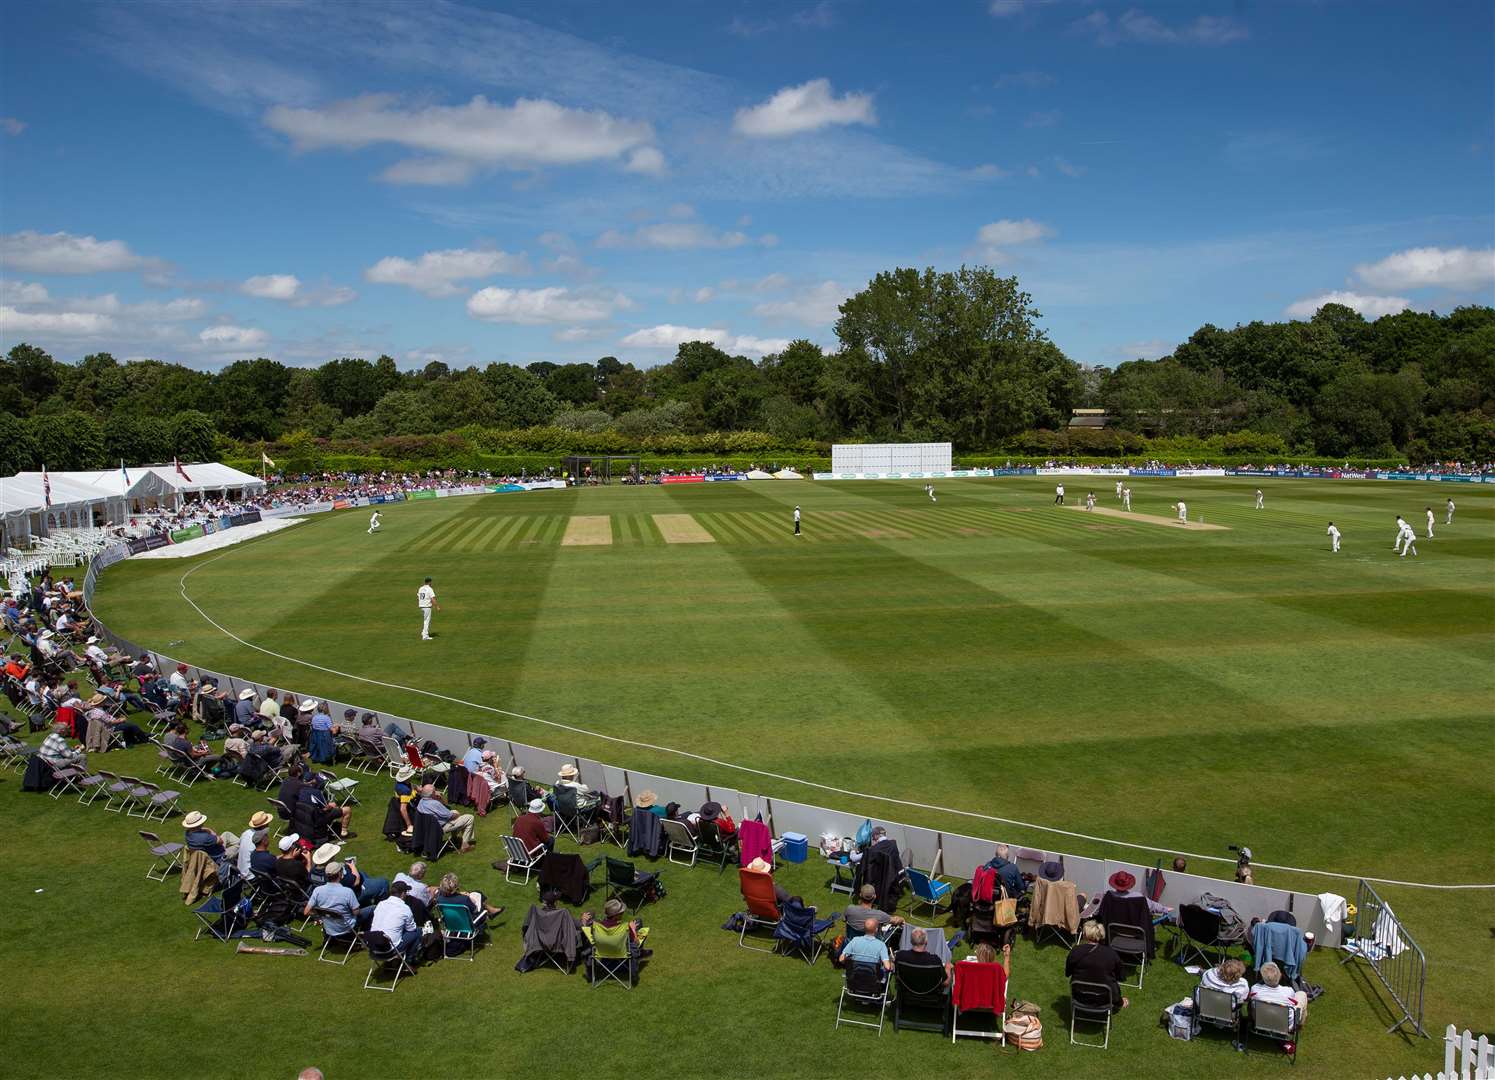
(979,989)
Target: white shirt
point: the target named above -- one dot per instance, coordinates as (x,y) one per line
(100,657)
(425,596)
(418,889)
(1407,530)
(178,680)
(1430,517)
(1278,995)
(392,918)
(374,518)
(796,513)
(1333,531)
(1183,508)
(1059,490)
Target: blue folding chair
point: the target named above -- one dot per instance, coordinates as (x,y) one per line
(927,889)
(800,933)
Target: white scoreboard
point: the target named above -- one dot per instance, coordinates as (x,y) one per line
(890,457)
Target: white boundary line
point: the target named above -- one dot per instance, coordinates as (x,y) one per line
(182,587)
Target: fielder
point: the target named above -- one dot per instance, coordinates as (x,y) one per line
(1090,500)
(929,490)
(1059,495)
(1183,512)
(796,521)
(1401,533)
(1118,489)
(1409,535)
(1126,499)
(1448,520)
(1333,538)
(1430,522)
(425,596)
(1261,500)
(374,523)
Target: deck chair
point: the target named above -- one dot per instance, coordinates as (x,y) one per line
(1280,1023)
(283,815)
(570,818)
(558,960)
(680,841)
(383,959)
(341,790)
(222,916)
(521,858)
(613,818)
(1217,1008)
(612,955)
(979,989)
(800,933)
(336,944)
(165,857)
(625,879)
(1090,1003)
(394,755)
(1130,943)
(864,987)
(458,928)
(925,888)
(920,988)
(429,837)
(1201,935)
(519,795)
(762,908)
(713,845)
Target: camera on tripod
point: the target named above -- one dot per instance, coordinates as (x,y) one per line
(1243,872)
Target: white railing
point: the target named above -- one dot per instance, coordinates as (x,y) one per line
(1465,1057)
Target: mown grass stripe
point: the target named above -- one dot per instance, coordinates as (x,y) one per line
(504,533)
(477,539)
(765,525)
(725,532)
(528,526)
(430,536)
(452,538)
(869,521)
(626,529)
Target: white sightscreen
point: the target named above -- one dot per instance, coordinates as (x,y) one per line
(890,457)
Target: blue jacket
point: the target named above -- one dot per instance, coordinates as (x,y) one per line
(1280,943)
(1012,877)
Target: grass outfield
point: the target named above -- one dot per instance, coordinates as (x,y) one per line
(991,652)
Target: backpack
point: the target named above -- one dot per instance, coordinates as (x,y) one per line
(1025,1029)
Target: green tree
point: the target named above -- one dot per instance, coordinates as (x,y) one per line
(574,384)
(17,448)
(136,440)
(251,398)
(796,371)
(350,385)
(519,398)
(68,441)
(193,435)
(402,412)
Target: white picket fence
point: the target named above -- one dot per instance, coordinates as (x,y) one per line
(1464,1058)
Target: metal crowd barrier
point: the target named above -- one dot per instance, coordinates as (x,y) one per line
(1381,941)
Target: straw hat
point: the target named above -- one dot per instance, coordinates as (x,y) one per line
(646,799)
(325,854)
(537,806)
(404,773)
(246,693)
(568,772)
(306,706)
(195,820)
(260,820)
(760,866)
(613,908)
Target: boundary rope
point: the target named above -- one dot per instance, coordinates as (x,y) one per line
(182,588)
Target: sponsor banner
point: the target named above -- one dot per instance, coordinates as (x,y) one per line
(1199,472)
(1457,478)
(192,532)
(716,477)
(210,527)
(682,479)
(1398,476)
(1024,470)
(936,474)
(543,485)
(1151,472)
(1083,470)
(341,504)
(421,495)
(499,489)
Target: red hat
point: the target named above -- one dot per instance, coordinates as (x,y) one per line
(1122,881)
(182,668)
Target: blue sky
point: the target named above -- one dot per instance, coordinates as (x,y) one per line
(206,181)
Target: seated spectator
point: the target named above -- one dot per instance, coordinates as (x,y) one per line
(405,793)
(918,955)
(95,653)
(1271,989)
(261,862)
(448,892)
(369,731)
(472,760)
(392,918)
(612,919)
(199,752)
(236,743)
(208,707)
(269,710)
(341,905)
(867,947)
(490,772)
(244,713)
(367,888)
(433,803)
(115,691)
(1007,872)
(56,752)
(132,733)
(649,801)
(259,826)
(198,837)
(867,909)
(315,813)
(531,829)
(1123,885)
(416,881)
(294,863)
(568,777)
(760,866)
(1227,977)
(1093,961)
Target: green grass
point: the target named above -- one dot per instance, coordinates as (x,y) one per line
(990,653)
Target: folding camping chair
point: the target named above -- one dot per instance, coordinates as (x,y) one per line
(521,858)
(1218,1009)
(680,841)
(90,787)
(613,818)
(713,845)
(394,755)
(428,823)
(925,888)
(1280,1023)
(612,955)
(519,795)
(866,986)
(979,989)
(334,942)
(762,907)
(538,914)
(1201,935)
(920,987)
(166,857)
(570,818)
(222,917)
(117,791)
(383,956)
(458,927)
(624,878)
(1130,943)
(66,780)
(800,933)
(1089,1002)
(150,800)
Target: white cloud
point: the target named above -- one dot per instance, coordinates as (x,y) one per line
(11,126)
(1136,26)
(1045,118)
(325,296)
(807,107)
(22,292)
(573,334)
(530,133)
(66,253)
(815,306)
(537,307)
(990,171)
(436,273)
(1372,307)
(1069,169)
(69,312)
(703,294)
(1005,9)
(1427,267)
(992,238)
(670,336)
(271,286)
(233,336)
(61,323)
(680,236)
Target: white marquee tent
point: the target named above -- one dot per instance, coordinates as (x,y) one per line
(210,477)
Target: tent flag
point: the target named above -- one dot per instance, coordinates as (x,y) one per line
(125,473)
(180,471)
(46,486)
(265,459)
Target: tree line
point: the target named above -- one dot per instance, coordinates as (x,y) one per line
(921,355)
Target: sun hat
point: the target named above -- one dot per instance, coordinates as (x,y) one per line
(488,755)
(46,633)
(646,799)
(325,854)
(613,908)
(480,742)
(760,866)
(306,706)
(334,870)
(1122,881)
(1051,871)
(869,893)
(537,806)
(194,819)
(92,641)
(405,773)
(246,693)
(517,772)
(288,842)
(711,811)
(567,772)
(260,820)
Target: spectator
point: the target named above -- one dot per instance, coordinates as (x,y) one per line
(341,906)
(200,752)
(1093,961)
(1007,872)
(1271,989)
(472,760)
(760,866)
(857,914)
(244,708)
(1227,977)
(431,802)
(56,752)
(199,837)
(261,862)
(867,947)
(269,710)
(531,829)
(918,955)
(392,918)
(259,828)
(405,794)
(323,747)
(448,892)
(416,881)
(315,814)
(612,918)
(294,863)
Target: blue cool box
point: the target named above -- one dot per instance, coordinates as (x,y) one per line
(796,847)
